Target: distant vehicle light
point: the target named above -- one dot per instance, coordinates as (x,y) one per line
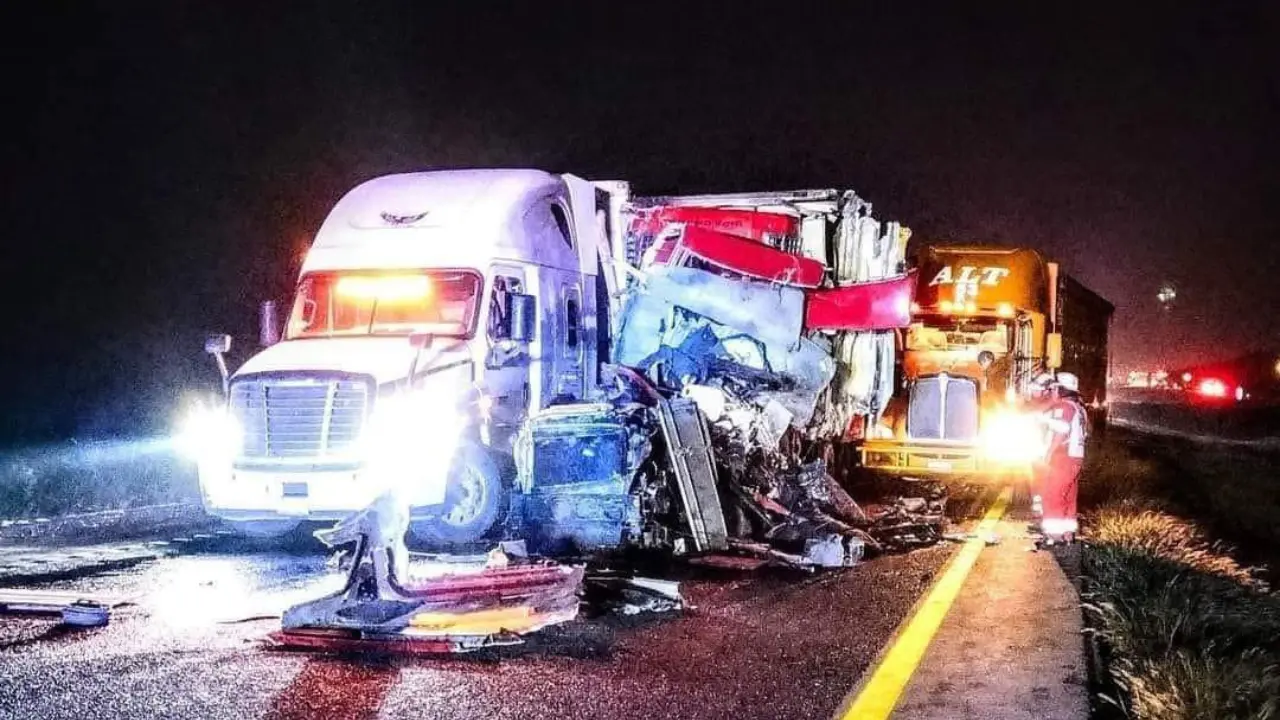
(385,288)
(1186,377)
(1212,387)
(1005,309)
(1239,393)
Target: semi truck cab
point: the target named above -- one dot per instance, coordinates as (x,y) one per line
(980,332)
(433,313)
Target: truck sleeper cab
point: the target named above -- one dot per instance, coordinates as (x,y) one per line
(433,313)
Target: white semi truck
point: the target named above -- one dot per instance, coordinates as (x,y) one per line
(436,311)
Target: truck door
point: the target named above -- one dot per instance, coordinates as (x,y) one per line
(571,383)
(1024,359)
(507,362)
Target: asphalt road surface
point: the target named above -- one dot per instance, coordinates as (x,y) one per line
(766,644)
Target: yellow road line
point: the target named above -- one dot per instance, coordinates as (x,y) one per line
(878,696)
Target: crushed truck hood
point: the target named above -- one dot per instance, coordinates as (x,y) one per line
(385,358)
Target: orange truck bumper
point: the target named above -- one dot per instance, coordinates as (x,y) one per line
(919,459)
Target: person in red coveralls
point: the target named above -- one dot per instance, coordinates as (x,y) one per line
(1065,421)
(1042,395)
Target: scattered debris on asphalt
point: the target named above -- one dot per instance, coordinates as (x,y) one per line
(632,595)
(75,610)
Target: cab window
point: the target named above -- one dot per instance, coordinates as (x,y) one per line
(499,323)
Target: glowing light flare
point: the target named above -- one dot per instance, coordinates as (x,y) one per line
(385,288)
(208,434)
(946,306)
(410,442)
(903,306)
(1212,388)
(1004,309)
(1010,437)
(971,307)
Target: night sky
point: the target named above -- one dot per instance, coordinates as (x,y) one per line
(168,161)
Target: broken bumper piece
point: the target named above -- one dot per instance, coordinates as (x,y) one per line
(450,613)
(406,642)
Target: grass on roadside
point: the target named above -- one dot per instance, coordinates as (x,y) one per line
(1190,632)
(67,478)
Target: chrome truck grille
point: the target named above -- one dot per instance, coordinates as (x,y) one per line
(287,419)
(943,407)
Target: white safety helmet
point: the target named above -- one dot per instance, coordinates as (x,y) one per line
(1068,381)
(1043,380)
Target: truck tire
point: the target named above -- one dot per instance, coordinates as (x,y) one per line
(263,529)
(474,503)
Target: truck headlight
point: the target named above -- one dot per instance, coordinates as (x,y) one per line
(208,434)
(409,443)
(1011,437)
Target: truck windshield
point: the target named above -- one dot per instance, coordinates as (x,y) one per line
(342,304)
(976,334)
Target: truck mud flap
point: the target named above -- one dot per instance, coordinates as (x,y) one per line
(689,449)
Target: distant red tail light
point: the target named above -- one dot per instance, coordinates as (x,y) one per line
(1212,388)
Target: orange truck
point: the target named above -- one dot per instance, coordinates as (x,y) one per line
(985,323)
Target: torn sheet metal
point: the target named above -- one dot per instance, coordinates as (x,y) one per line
(380,601)
(406,643)
(833,551)
(773,314)
(808,370)
(576,467)
(689,454)
(633,595)
(444,614)
(774,229)
(874,305)
(741,256)
(710,400)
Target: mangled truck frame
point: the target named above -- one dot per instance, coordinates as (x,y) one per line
(536,354)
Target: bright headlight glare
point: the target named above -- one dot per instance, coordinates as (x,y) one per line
(1011,437)
(208,434)
(408,423)
(409,443)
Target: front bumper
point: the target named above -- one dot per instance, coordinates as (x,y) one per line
(235,494)
(934,460)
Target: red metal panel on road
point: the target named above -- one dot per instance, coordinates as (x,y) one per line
(878,305)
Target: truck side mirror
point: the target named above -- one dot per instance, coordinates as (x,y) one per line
(218,346)
(1053,351)
(268,324)
(522,314)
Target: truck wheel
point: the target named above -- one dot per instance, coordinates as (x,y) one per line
(473,504)
(263,529)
